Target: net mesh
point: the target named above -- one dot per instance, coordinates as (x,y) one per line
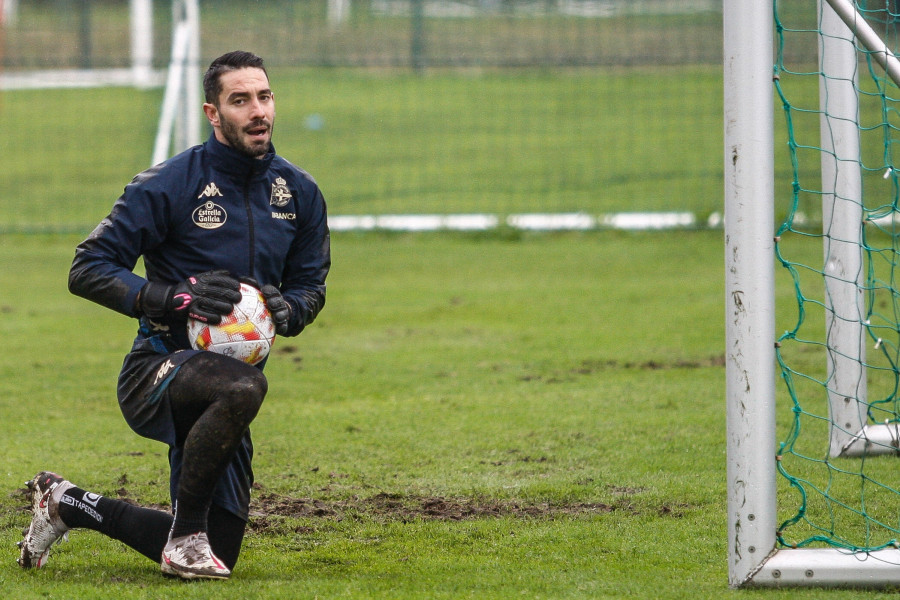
(826,498)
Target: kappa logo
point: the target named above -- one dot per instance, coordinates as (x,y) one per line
(211,190)
(163,371)
(281,193)
(209,215)
(154,326)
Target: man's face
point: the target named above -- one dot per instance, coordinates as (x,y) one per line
(245,114)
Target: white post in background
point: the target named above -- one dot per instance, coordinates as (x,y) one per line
(181,103)
(9,11)
(142,42)
(842,218)
(749,285)
(188,127)
(338,11)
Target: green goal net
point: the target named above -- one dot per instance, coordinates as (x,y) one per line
(838,288)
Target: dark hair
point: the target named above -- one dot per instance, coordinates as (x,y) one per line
(232,61)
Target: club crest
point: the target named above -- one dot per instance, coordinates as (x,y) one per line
(281,194)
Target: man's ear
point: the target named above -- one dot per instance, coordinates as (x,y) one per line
(212,113)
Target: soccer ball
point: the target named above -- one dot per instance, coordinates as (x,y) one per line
(247,334)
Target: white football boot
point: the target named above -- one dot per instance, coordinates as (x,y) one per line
(190,557)
(46,527)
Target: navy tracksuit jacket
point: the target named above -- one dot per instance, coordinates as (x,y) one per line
(207,208)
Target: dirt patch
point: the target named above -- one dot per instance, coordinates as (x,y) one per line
(589,367)
(594,366)
(395,507)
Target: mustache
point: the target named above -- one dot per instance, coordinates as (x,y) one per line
(258,123)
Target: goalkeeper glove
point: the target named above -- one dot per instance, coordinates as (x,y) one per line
(278,307)
(275,302)
(206,297)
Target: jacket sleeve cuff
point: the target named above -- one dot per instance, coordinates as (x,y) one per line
(152,299)
(295,323)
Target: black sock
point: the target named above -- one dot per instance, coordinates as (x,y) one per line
(78,508)
(144,529)
(189,517)
(226,532)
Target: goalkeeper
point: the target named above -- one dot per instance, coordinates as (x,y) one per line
(230,209)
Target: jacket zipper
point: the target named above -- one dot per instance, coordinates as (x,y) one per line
(249,208)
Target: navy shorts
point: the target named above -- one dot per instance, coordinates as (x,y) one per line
(143,397)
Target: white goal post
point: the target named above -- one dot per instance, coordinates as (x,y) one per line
(180,114)
(753,557)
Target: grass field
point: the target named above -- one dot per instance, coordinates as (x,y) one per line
(470,417)
(481,416)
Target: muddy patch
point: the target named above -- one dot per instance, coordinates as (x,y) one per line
(268,509)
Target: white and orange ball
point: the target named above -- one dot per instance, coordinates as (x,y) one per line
(247,334)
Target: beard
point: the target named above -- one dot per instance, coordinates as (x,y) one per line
(234,135)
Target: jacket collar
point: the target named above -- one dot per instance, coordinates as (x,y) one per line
(234,163)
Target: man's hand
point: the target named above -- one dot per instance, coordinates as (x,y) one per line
(275,302)
(278,307)
(206,297)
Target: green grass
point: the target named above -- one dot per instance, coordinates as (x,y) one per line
(486,371)
(563,391)
(595,141)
